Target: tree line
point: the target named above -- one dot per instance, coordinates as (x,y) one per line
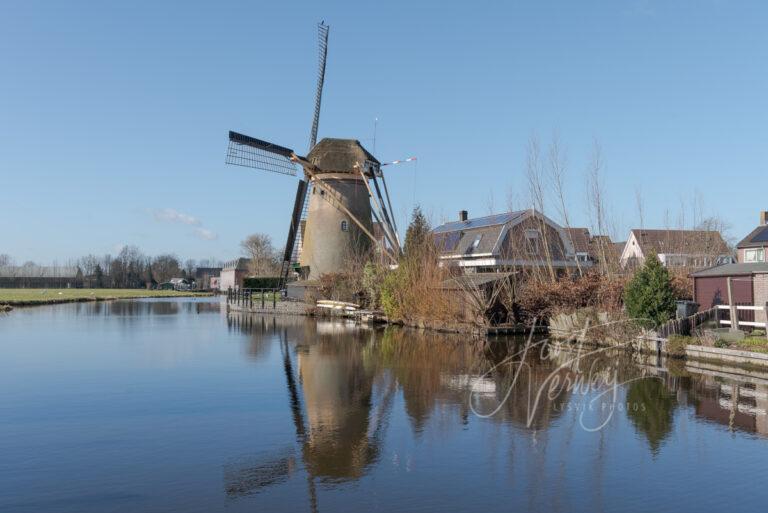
(130,268)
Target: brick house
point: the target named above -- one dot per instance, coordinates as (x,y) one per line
(752,248)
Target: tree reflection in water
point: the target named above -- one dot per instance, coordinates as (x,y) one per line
(650,407)
(343,380)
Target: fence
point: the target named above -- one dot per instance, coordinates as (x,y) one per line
(687,325)
(246,298)
(743,315)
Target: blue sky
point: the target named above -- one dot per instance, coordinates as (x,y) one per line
(114,116)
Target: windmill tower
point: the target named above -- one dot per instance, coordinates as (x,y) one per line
(335,202)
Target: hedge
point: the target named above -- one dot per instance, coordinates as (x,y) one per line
(262,282)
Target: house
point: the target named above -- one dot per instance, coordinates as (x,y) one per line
(523,239)
(753,247)
(590,249)
(36,276)
(233,273)
(181,284)
(749,286)
(204,277)
(676,248)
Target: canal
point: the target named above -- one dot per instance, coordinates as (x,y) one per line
(172,405)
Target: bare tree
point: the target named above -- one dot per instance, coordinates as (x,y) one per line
(165,267)
(189,267)
(534,173)
(264,260)
(5,259)
(557,171)
(596,202)
(640,205)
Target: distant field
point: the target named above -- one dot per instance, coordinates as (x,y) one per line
(22,297)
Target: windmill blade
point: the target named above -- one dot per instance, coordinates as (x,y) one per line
(322,38)
(251,152)
(294,229)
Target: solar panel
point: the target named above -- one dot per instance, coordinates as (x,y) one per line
(448,241)
(762,235)
(480,222)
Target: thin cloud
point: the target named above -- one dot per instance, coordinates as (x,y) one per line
(169,215)
(205,234)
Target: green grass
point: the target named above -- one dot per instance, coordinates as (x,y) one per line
(757,344)
(23,297)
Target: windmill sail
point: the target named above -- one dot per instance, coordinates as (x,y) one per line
(322,38)
(295,236)
(251,152)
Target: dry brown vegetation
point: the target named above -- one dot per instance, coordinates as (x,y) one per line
(542,300)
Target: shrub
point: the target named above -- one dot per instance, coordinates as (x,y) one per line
(414,291)
(722,343)
(649,297)
(542,300)
(757,333)
(340,287)
(373,278)
(676,344)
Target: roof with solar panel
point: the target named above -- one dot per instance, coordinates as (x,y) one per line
(484,236)
(757,239)
(480,222)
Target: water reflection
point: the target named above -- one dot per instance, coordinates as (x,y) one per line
(204,411)
(342,382)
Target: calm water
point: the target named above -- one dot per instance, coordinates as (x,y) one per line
(173,406)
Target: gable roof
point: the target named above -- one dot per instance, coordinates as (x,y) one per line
(580,238)
(756,239)
(485,235)
(685,242)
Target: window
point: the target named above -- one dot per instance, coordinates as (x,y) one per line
(475,243)
(532,241)
(344,226)
(754,255)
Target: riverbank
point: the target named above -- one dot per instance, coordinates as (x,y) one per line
(35,297)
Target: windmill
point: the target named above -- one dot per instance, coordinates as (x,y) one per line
(335,204)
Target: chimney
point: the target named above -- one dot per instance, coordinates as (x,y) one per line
(463,215)
(763,218)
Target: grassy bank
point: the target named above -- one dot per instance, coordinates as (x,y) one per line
(30,297)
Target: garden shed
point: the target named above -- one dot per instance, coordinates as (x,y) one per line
(749,283)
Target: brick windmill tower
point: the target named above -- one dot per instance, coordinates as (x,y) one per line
(338,199)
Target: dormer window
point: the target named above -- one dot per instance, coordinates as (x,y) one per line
(532,241)
(475,243)
(344,226)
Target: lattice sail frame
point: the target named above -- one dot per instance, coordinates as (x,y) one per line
(250,152)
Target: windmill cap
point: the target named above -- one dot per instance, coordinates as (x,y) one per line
(340,155)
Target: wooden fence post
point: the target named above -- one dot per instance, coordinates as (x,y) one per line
(732,304)
(765,311)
